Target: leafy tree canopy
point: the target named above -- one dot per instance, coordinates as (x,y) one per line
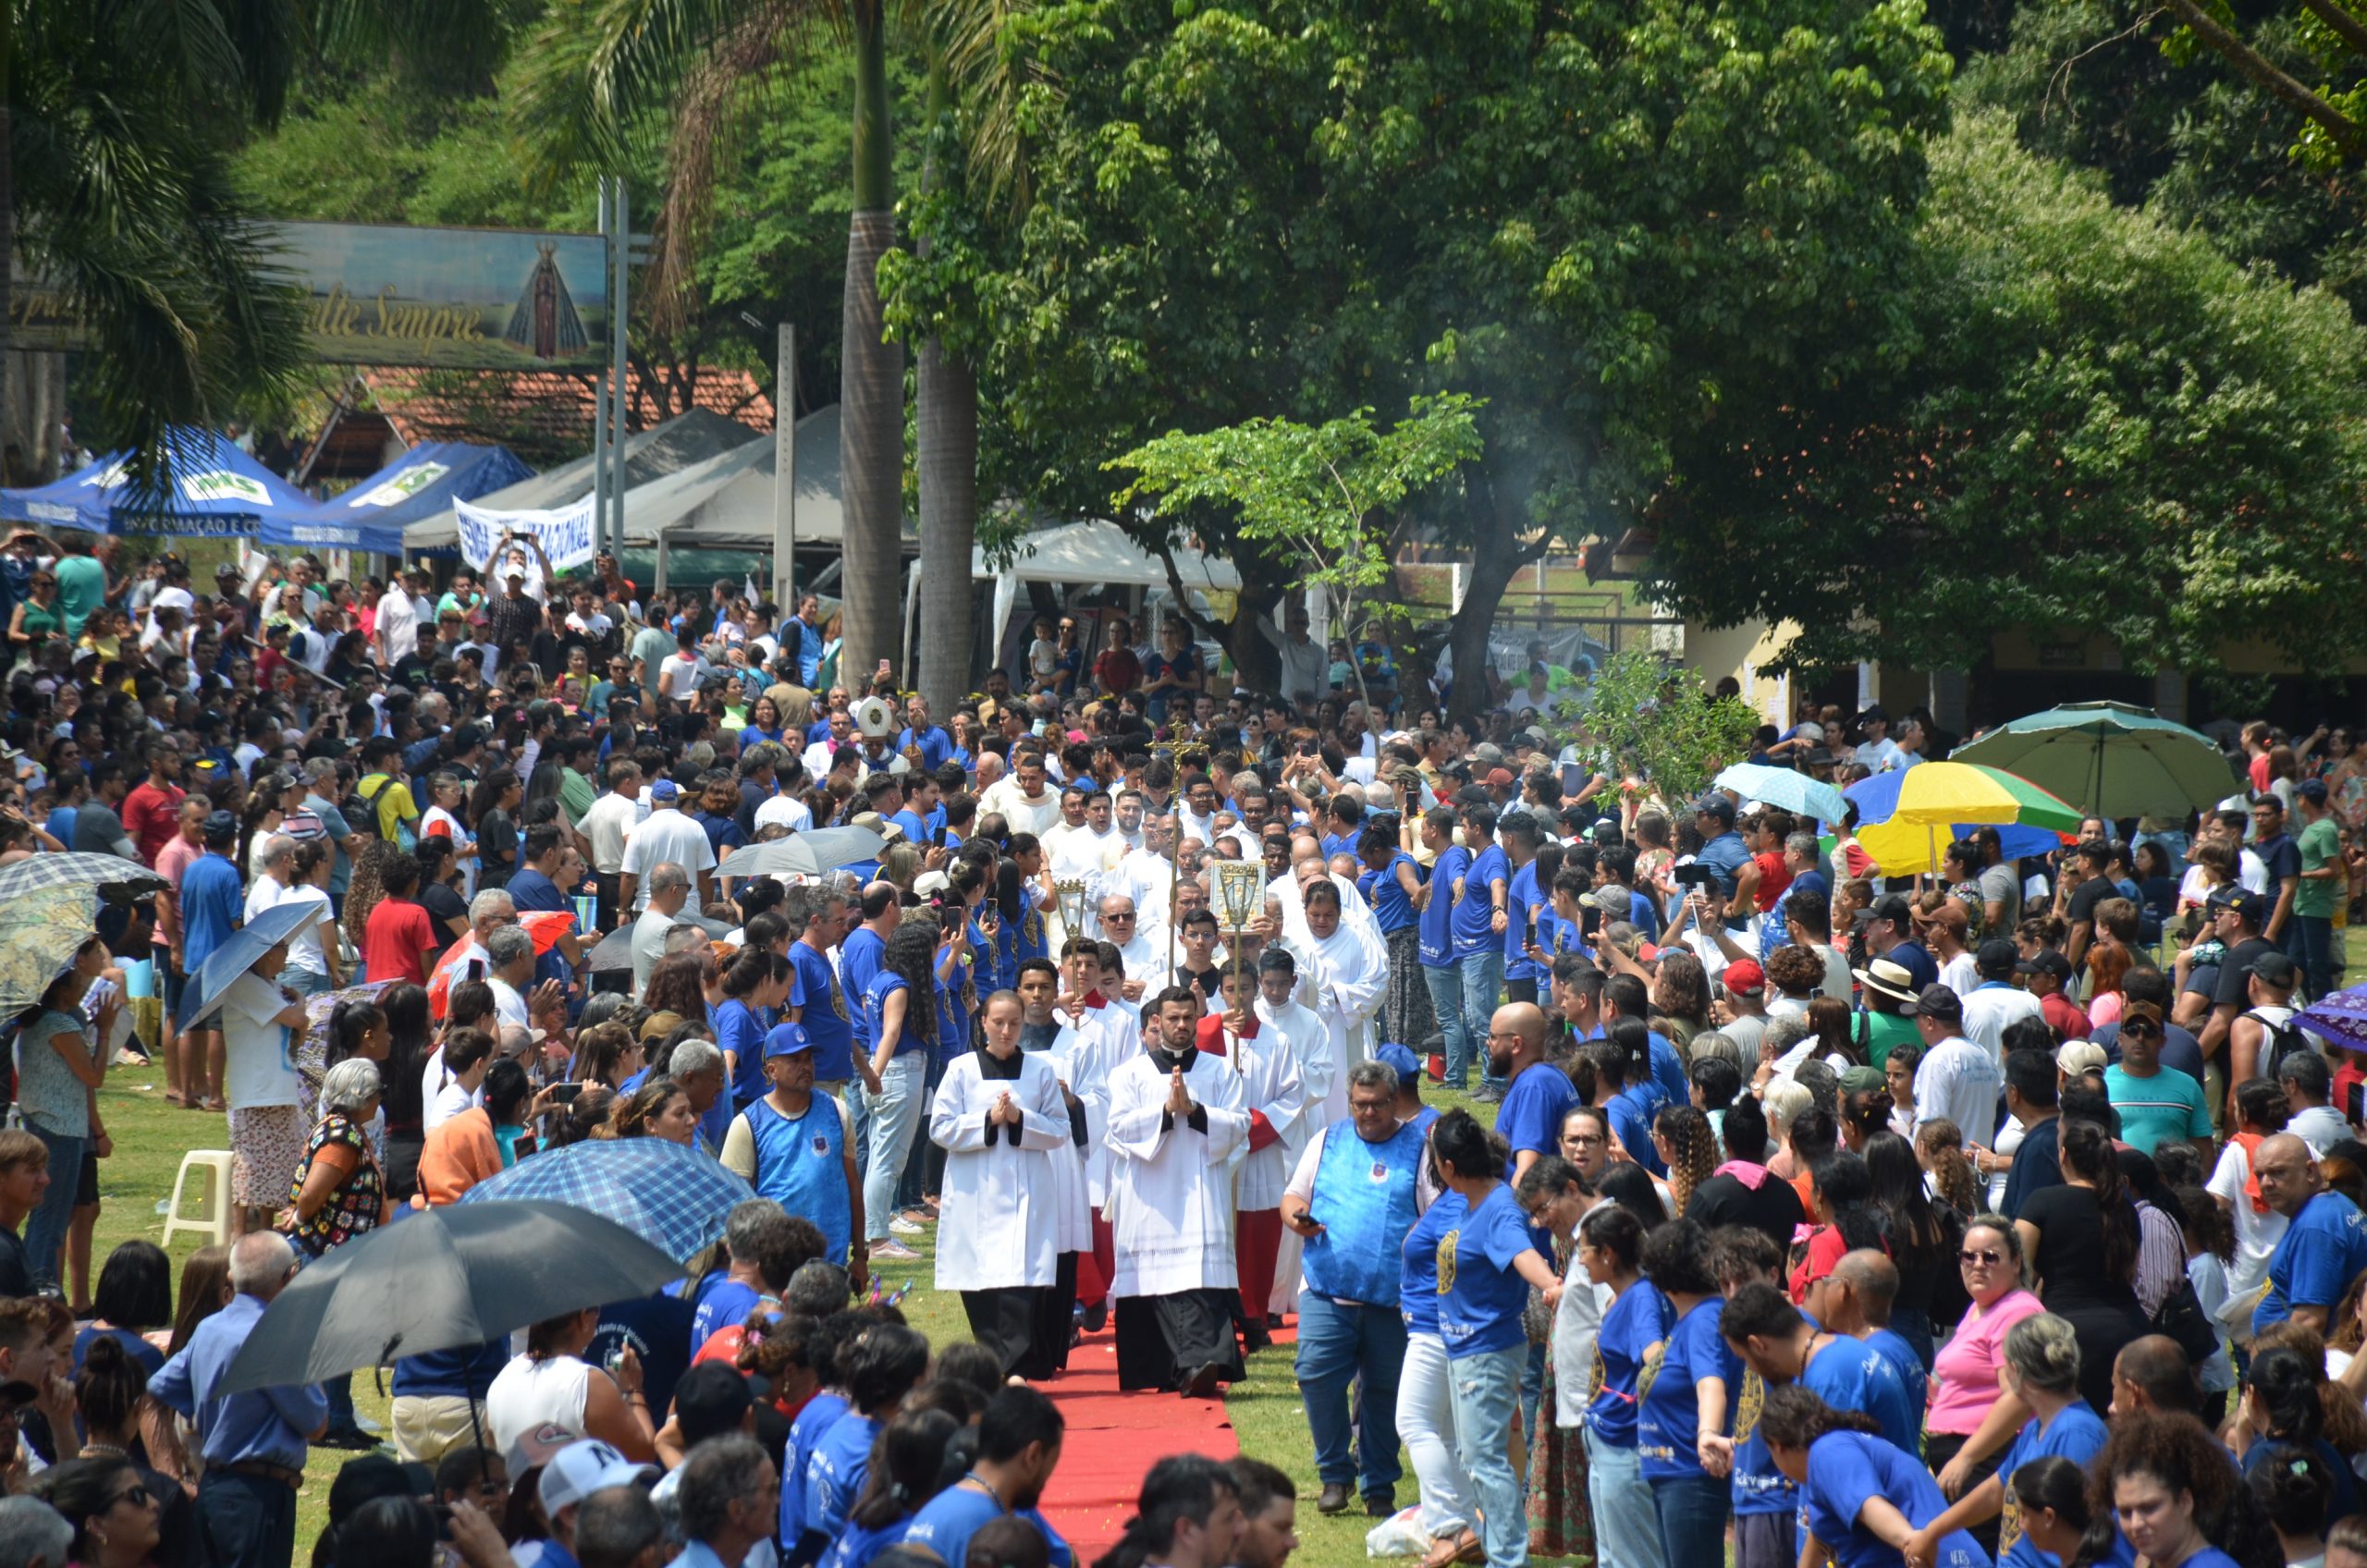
(2093,421)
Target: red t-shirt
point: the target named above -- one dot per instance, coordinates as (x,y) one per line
(2063,1015)
(1773,877)
(1117,670)
(395,942)
(152,817)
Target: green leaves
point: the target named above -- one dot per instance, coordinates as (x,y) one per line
(1661,721)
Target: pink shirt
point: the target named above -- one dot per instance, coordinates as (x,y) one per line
(1964,1374)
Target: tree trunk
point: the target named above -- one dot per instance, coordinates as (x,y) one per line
(1497,557)
(8,229)
(871,383)
(949,474)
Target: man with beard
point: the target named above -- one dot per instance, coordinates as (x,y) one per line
(1175,1118)
(1019,1447)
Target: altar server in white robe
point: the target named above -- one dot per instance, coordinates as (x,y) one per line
(1176,1116)
(1277,1103)
(1003,1122)
(1094,1034)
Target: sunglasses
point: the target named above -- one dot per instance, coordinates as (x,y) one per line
(2140,1031)
(1983,1258)
(137,1495)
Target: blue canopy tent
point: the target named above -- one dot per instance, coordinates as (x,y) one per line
(424,481)
(212,490)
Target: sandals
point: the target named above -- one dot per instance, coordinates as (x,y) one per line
(1466,1547)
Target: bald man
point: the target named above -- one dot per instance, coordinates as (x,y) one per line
(1537,1094)
(2325,1244)
(2151,1373)
(1857,1297)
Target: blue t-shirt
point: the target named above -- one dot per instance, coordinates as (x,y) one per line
(834,1475)
(858,1548)
(1392,909)
(2322,1251)
(1724,857)
(720,1303)
(1851,1375)
(821,1413)
(465,1372)
(658,1329)
(935,743)
(1417,1282)
(1846,1468)
(1474,925)
(1631,1120)
(859,958)
(1479,1306)
(916,1033)
(2341,1503)
(1759,1487)
(211,905)
(1668,1413)
(1438,944)
(2075,1435)
(947,1521)
(1637,1321)
(1521,901)
(150,1358)
(825,1023)
(741,1031)
(1905,1363)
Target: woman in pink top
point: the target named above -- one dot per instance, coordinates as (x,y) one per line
(1973,1417)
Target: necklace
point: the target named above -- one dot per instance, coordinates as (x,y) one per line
(988,1487)
(104,1450)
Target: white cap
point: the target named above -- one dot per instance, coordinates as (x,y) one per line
(582,1468)
(173,599)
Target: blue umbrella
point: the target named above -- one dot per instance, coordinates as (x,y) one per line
(673,1198)
(2340,1018)
(1784,788)
(237,955)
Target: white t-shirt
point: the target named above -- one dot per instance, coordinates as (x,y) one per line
(667,838)
(788,811)
(258,1070)
(262,893)
(304,947)
(2256,1233)
(397,624)
(677,677)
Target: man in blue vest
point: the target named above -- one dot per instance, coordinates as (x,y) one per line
(1352,1201)
(792,1147)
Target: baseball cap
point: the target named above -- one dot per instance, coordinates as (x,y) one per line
(1893,908)
(586,1467)
(2246,904)
(218,822)
(1398,1059)
(787,1039)
(1857,1080)
(2077,1056)
(664,789)
(2308,789)
(1996,958)
(657,1026)
(1498,778)
(1714,804)
(712,1397)
(2274,969)
(1743,975)
(1936,1002)
(2044,963)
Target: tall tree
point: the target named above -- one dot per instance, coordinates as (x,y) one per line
(115,124)
(1612,223)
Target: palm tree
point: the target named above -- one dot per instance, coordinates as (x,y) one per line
(115,118)
(599,75)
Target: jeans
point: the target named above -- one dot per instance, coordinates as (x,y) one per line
(45,1227)
(247,1521)
(1532,1390)
(1337,1343)
(1487,1395)
(859,1123)
(895,1117)
(1626,1525)
(1693,1517)
(304,982)
(1446,1001)
(911,1188)
(1426,1425)
(2309,943)
(1483,982)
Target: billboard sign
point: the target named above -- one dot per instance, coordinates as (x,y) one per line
(383,294)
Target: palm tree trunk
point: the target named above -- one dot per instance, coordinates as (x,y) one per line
(949,474)
(871,384)
(948,422)
(8,240)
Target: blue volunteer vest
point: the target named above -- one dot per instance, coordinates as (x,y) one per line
(1363,1200)
(801,1165)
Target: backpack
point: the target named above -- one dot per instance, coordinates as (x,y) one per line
(360,809)
(2281,1040)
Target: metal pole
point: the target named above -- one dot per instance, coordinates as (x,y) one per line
(785,474)
(600,386)
(618,425)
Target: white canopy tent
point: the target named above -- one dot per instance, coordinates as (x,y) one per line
(1096,553)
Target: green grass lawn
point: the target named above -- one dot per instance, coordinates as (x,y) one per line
(150,1135)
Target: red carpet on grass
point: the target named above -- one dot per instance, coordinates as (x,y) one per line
(1112,1438)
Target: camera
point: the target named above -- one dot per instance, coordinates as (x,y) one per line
(1694,875)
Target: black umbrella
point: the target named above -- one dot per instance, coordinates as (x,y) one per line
(452,1276)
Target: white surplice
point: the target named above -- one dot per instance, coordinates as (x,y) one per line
(1342,979)
(1000,1226)
(1270,1087)
(1147,961)
(1170,1203)
(1084,1052)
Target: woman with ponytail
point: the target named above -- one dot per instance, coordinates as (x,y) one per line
(2081,1239)
(1681,1137)
(1862,1500)
(902,1472)
(2283,1409)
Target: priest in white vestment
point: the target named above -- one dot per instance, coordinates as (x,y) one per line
(1343,965)
(1277,1104)
(1002,1121)
(1176,1116)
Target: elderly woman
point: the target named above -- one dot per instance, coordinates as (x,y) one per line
(338,1193)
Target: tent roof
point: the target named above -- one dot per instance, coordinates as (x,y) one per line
(420,482)
(680,443)
(218,491)
(1099,551)
(736,511)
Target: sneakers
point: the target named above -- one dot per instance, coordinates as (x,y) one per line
(899,1226)
(891,1251)
(1489,1097)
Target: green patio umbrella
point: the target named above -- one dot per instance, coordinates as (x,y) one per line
(2109,759)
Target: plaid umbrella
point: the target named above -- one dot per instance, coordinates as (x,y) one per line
(2340,1018)
(112,876)
(672,1197)
(39,933)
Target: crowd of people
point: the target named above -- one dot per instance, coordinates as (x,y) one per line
(1795,1210)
